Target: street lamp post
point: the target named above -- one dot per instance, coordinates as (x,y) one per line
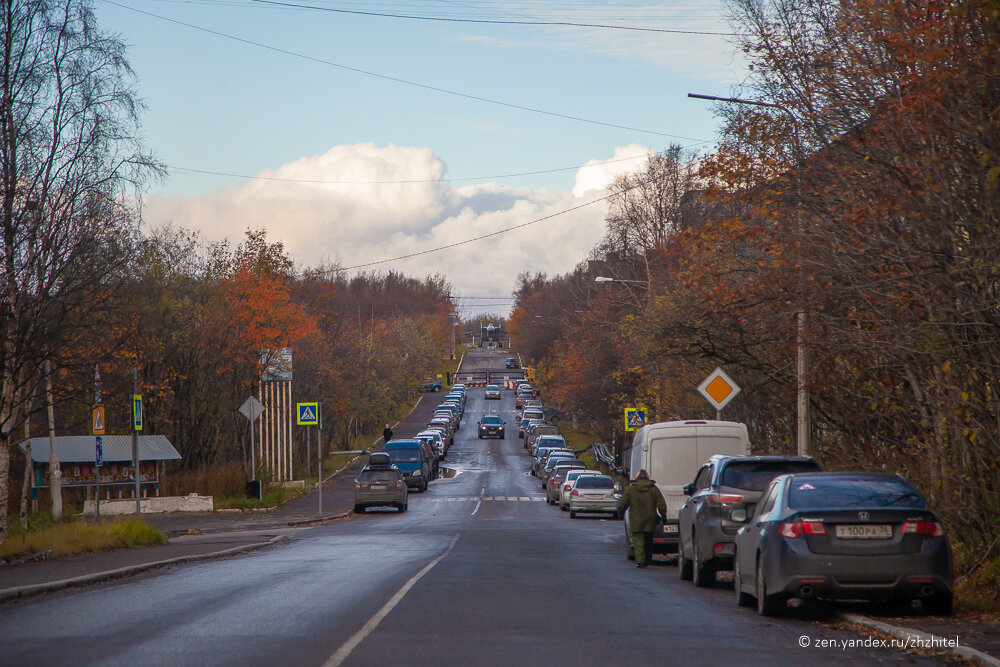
(801,361)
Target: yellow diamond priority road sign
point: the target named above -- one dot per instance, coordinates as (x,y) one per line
(718,389)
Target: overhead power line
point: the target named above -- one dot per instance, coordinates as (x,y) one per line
(404,181)
(478,238)
(414,17)
(395,79)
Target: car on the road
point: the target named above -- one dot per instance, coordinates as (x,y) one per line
(491,426)
(523,395)
(593,494)
(567,485)
(449,428)
(413,460)
(492,392)
(724,483)
(842,535)
(430,384)
(546,439)
(512,362)
(380,484)
(542,457)
(450,415)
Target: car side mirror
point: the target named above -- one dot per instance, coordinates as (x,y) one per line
(739,515)
(688,489)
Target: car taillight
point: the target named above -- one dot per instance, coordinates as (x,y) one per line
(399,483)
(575,493)
(932,528)
(799,528)
(554,481)
(357,485)
(724,498)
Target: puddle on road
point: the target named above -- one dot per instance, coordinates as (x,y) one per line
(448,473)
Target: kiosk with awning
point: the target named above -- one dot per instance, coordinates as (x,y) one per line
(78,462)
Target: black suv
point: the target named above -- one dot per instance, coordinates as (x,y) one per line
(512,362)
(707,534)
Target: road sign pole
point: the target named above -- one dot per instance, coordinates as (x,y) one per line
(136,417)
(309,463)
(319,480)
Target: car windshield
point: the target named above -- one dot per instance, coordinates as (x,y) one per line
(594,482)
(404,454)
(492,421)
(852,492)
(492,387)
(756,475)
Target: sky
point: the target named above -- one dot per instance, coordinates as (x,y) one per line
(361,132)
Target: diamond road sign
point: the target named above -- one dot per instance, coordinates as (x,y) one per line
(718,389)
(307,414)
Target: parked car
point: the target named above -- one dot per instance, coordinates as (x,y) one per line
(593,494)
(492,392)
(413,460)
(380,483)
(523,395)
(671,452)
(491,426)
(547,440)
(842,535)
(543,456)
(512,362)
(450,415)
(557,477)
(724,483)
(441,430)
(525,417)
(531,436)
(545,471)
(567,485)
(436,441)
(449,427)
(430,384)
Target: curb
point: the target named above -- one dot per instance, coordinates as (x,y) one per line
(966,652)
(34,589)
(321,519)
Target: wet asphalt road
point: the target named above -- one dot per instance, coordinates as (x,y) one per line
(479,571)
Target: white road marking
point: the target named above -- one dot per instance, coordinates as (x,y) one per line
(344,651)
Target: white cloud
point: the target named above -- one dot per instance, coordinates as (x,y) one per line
(363,203)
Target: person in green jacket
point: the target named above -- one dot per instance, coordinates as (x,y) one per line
(646,507)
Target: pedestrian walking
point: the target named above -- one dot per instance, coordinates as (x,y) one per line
(386,434)
(647,507)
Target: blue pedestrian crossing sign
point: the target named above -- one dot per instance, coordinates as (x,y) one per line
(307,414)
(635,418)
(136,412)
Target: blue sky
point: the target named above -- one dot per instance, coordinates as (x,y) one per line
(218,104)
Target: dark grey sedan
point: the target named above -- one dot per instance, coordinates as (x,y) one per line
(842,535)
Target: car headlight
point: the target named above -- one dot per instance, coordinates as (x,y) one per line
(417,473)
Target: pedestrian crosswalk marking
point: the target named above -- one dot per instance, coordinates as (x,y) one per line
(455,499)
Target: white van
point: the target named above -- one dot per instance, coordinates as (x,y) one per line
(671,452)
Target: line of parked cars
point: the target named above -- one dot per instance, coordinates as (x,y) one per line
(566,480)
(787,529)
(410,462)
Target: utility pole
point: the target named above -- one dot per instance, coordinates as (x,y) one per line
(55,474)
(136,427)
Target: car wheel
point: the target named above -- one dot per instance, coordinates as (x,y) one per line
(550,501)
(939,604)
(564,508)
(683,564)
(480,436)
(359,509)
(572,514)
(423,489)
(742,599)
(703,574)
(767,604)
(616,516)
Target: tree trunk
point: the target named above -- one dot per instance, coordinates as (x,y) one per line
(55,474)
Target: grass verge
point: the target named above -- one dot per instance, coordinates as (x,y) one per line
(77,536)
(580,439)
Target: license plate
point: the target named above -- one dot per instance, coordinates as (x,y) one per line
(864,532)
(377,487)
(670,528)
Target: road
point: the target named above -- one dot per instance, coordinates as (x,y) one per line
(480,570)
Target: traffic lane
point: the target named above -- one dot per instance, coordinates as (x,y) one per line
(296,602)
(526,585)
(481,360)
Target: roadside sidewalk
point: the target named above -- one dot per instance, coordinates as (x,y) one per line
(199,535)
